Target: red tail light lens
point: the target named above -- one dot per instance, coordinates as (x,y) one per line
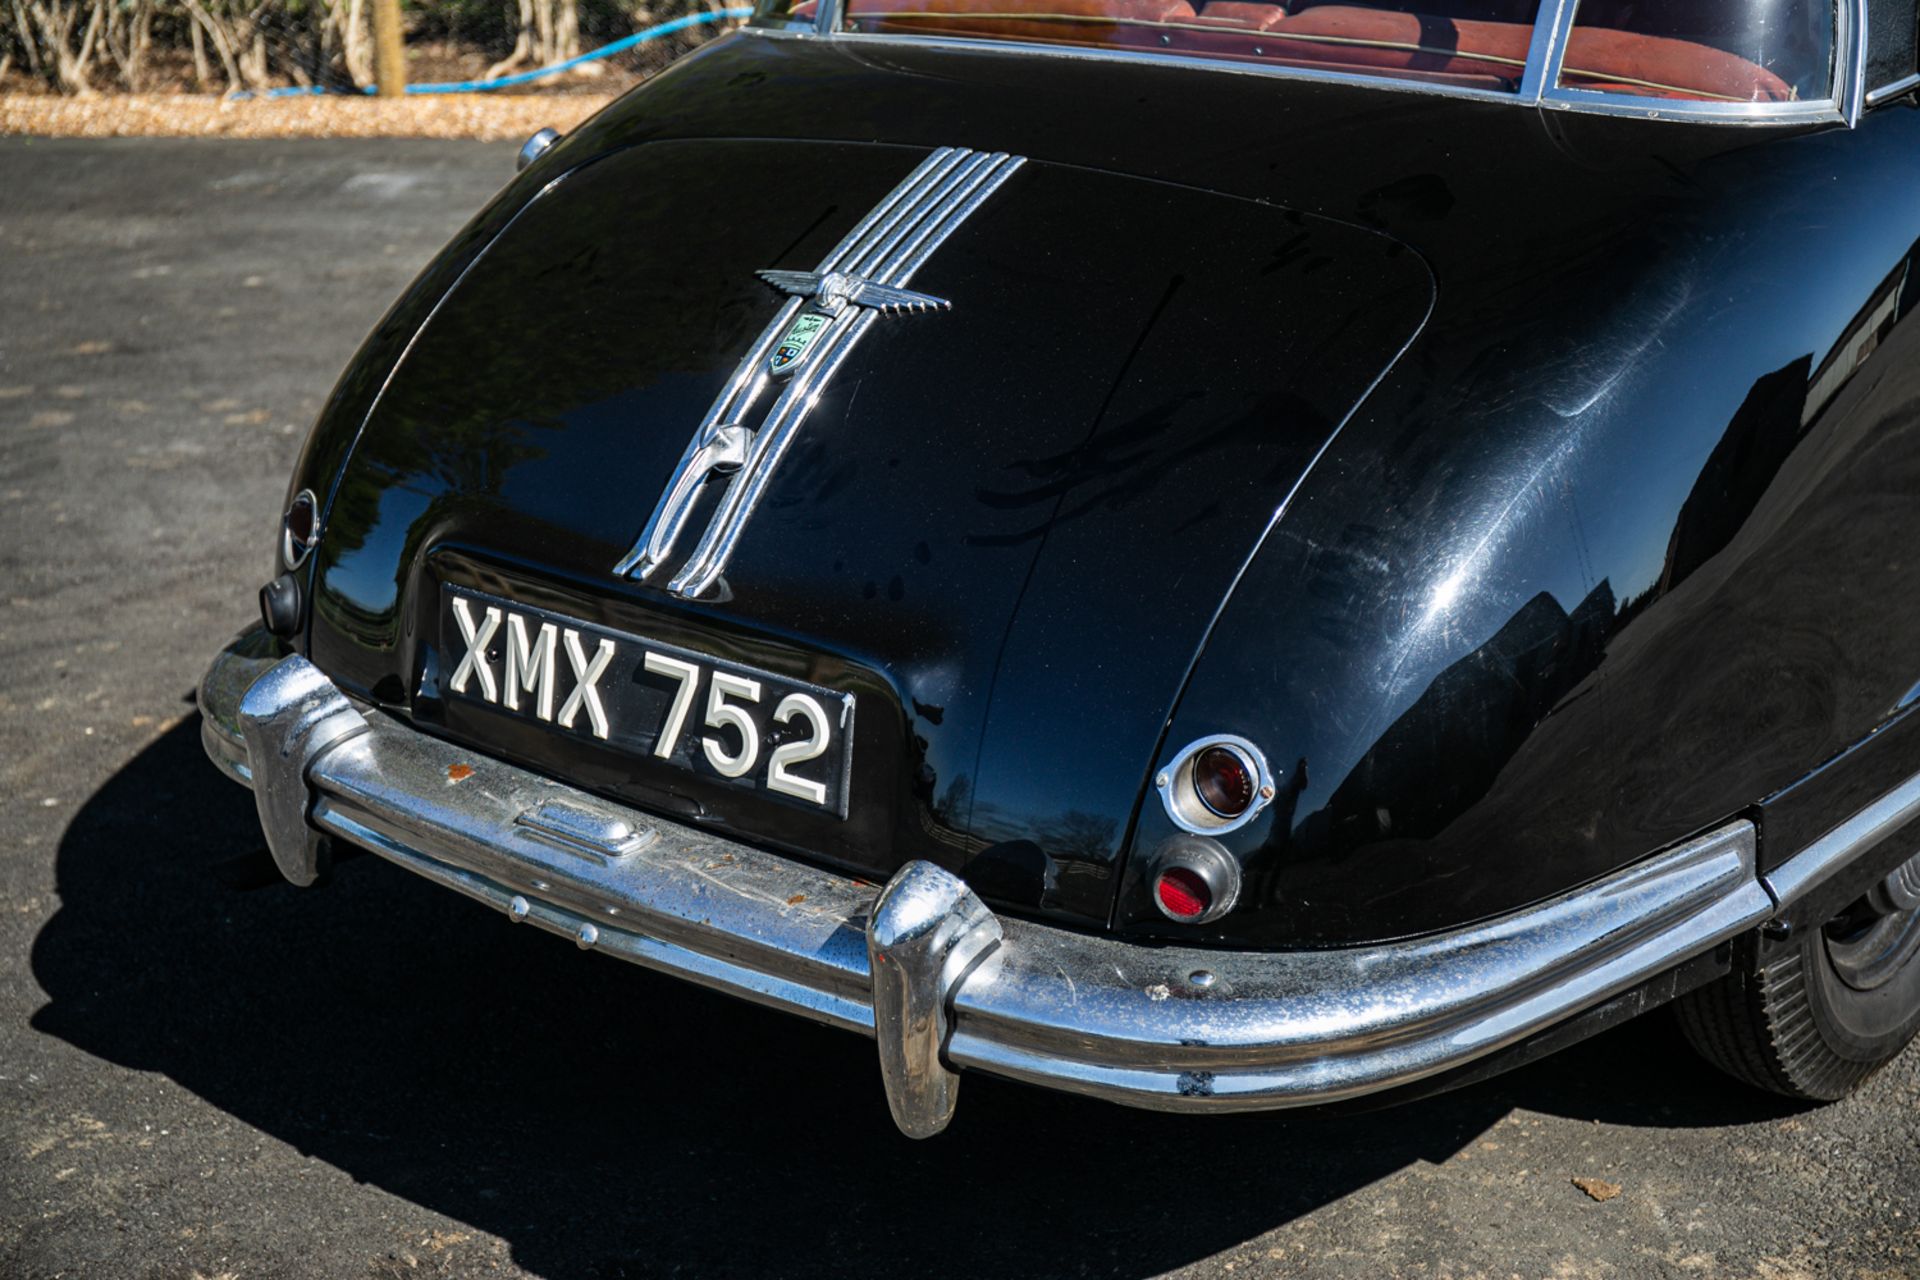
(1182,893)
(1223,781)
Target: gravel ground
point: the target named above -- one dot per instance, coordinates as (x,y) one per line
(487,117)
(205,1073)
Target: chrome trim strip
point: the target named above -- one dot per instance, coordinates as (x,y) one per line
(1165,1027)
(751,378)
(901,243)
(1551,23)
(1851,45)
(1807,870)
(1893,89)
(769,447)
(1740,113)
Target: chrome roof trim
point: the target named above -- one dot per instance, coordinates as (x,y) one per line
(1539,85)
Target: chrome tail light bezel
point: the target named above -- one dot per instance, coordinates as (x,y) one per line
(1181,797)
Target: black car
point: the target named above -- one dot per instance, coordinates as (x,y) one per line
(1213,554)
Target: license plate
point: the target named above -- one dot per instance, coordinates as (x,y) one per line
(722,720)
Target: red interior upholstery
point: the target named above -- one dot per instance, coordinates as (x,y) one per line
(1334,35)
(1404,41)
(1240,15)
(1628,63)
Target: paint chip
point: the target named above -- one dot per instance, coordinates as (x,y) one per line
(459,772)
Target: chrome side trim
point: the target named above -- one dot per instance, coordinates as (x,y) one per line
(1807,870)
(1893,89)
(1164,1027)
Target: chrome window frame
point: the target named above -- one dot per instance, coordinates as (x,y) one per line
(1539,81)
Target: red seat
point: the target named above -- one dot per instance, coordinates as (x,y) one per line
(1242,15)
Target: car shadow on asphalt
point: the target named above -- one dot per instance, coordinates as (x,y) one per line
(608,1121)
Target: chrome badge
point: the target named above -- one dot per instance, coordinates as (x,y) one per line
(827,312)
(831,293)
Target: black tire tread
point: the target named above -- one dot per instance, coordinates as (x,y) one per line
(1759,1026)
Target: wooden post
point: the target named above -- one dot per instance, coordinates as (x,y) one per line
(389,54)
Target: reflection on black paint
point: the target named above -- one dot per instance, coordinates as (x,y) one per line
(1443,754)
(1737,473)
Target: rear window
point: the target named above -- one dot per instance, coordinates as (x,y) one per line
(1724,51)
(1753,51)
(1479,44)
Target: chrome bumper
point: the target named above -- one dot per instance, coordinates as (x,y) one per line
(921,964)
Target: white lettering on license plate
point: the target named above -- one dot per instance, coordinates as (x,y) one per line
(752,727)
(530,667)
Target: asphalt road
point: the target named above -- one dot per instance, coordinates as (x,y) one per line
(206,1073)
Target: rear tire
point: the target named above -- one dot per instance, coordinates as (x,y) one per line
(1827,1011)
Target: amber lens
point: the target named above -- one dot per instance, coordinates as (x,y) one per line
(1224,782)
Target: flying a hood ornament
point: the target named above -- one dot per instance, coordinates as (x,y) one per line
(829,310)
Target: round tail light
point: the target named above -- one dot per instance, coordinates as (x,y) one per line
(1223,781)
(1215,785)
(1182,894)
(1195,880)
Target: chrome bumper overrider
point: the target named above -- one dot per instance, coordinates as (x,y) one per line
(921,964)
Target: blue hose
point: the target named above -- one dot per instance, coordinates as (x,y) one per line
(505,82)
